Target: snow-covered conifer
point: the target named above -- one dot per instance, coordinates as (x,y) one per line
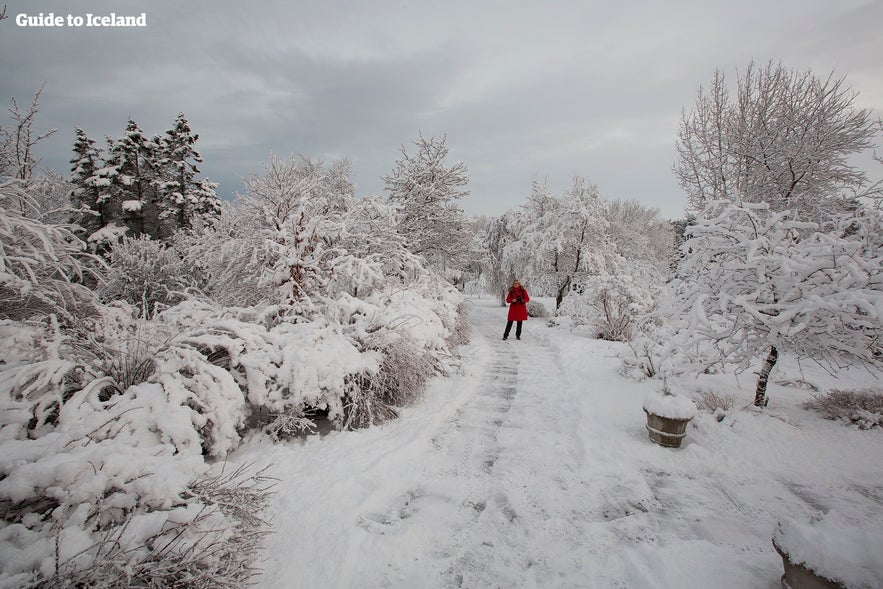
(85,194)
(127,182)
(181,195)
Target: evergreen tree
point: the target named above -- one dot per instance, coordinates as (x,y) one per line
(85,194)
(126,179)
(181,196)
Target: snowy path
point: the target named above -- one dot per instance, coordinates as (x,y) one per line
(532,469)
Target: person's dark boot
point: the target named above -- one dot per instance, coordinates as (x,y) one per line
(505,337)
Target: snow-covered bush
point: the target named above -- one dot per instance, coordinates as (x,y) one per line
(42,266)
(861,408)
(612,304)
(712,401)
(146,273)
(208,537)
(227,260)
(537,309)
(114,485)
(642,360)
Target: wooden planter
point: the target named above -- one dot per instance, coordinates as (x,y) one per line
(666,432)
(798,576)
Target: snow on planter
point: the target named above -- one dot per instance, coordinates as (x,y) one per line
(667,417)
(844,552)
(670,406)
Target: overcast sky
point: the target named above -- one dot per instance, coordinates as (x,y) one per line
(522,89)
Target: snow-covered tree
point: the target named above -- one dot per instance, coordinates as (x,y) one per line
(785,139)
(563,240)
(641,235)
(425,189)
(181,196)
(757,282)
(779,218)
(18,140)
(141,185)
(494,238)
(128,182)
(85,194)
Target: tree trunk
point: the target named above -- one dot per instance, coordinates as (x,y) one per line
(760,399)
(559,296)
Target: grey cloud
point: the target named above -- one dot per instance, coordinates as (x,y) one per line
(522,89)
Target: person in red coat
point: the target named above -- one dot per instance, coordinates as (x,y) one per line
(517,299)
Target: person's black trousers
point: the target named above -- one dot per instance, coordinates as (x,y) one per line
(509,328)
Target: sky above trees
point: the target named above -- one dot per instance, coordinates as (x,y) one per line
(522,89)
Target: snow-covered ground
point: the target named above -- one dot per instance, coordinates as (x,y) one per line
(531,467)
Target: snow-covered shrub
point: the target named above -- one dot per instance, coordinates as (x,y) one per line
(712,401)
(146,273)
(118,345)
(613,305)
(413,330)
(227,260)
(537,309)
(228,369)
(117,486)
(209,540)
(862,408)
(42,266)
(403,373)
(46,364)
(642,360)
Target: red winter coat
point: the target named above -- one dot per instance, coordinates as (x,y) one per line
(517,311)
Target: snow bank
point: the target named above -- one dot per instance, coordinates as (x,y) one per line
(835,547)
(670,406)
